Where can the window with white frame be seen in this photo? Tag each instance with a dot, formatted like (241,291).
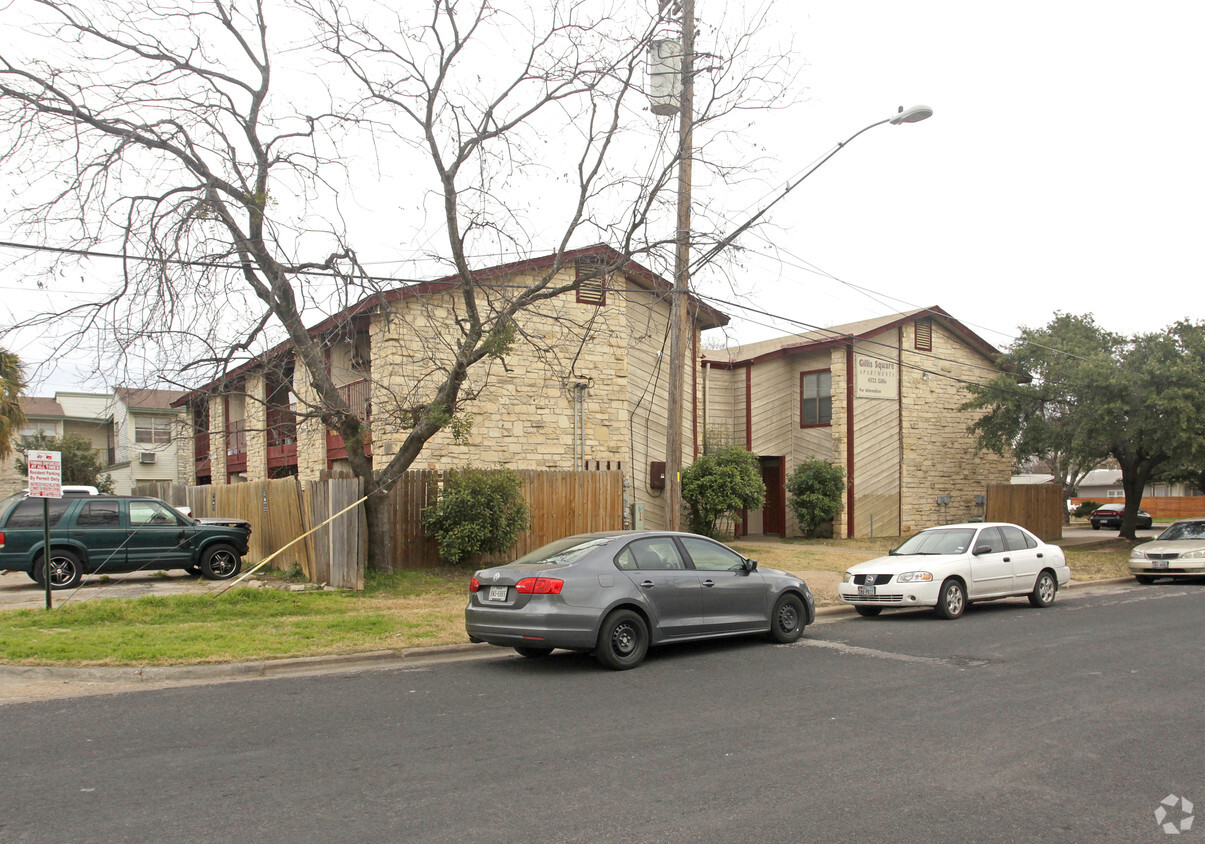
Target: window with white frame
(815,398)
(152,430)
(31,429)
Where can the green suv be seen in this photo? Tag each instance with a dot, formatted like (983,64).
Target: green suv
(107,534)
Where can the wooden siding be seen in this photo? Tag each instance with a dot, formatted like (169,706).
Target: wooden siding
(876,468)
(1159,506)
(648,388)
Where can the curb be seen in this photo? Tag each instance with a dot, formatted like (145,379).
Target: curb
(297,666)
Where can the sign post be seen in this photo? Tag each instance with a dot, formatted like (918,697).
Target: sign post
(45,482)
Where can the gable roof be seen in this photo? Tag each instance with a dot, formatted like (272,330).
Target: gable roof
(841,335)
(40,406)
(705,315)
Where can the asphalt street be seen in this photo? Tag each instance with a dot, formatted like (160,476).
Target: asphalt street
(1010,724)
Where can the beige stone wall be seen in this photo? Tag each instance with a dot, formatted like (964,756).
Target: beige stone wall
(311,433)
(257,428)
(217,440)
(186,452)
(939,457)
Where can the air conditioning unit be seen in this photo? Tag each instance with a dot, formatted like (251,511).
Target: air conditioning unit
(147,457)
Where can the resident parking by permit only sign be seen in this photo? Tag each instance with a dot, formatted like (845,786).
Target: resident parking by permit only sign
(45,473)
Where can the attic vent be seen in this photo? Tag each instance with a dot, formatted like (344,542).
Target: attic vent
(591,281)
(147,457)
(924,335)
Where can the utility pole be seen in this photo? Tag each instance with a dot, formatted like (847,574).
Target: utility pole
(679,320)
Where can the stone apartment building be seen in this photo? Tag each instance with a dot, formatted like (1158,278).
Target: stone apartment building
(594,397)
(878,398)
(135,432)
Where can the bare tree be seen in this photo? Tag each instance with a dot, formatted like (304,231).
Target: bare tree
(216,157)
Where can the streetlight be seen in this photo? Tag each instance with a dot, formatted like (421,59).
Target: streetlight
(683,267)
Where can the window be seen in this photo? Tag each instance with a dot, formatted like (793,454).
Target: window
(144,513)
(28,514)
(32,429)
(98,514)
(924,335)
(708,556)
(1017,539)
(650,555)
(991,539)
(152,430)
(815,398)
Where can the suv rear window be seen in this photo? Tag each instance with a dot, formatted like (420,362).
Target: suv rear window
(28,514)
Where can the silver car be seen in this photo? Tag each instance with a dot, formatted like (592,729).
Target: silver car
(615,594)
(1178,552)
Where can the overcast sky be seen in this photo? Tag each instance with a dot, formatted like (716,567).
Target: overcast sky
(1061,170)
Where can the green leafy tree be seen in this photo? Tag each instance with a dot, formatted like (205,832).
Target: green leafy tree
(721,483)
(12,382)
(1091,394)
(81,462)
(478,512)
(814,493)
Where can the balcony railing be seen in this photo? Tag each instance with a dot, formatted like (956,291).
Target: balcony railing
(357,394)
(236,446)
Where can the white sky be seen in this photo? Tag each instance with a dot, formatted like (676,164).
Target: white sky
(1061,170)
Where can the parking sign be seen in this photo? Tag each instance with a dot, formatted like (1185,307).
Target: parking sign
(45,474)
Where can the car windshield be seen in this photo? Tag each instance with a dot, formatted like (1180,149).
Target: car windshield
(1184,530)
(563,551)
(952,541)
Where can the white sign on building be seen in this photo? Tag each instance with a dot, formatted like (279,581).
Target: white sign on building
(875,378)
(45,473)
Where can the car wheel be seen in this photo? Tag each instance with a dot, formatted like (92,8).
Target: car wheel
(952,600)
(623,640)
(66,571)
(786,622)
(1095,526)
(220,562)
(868,612)
(1044,590)
(1144,579)
(533,653)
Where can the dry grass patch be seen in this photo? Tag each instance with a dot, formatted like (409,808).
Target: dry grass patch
(1100,560)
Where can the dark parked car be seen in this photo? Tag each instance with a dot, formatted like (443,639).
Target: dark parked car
(615,594)
(1109,515)
(106,534)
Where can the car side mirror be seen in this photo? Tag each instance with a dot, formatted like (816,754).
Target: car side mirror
(749,565)
(982,549)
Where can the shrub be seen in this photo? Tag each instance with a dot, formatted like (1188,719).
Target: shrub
(478,512)
(721,483)
(1084,508)
(814,491)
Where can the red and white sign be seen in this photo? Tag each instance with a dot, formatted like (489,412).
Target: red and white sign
(45,474)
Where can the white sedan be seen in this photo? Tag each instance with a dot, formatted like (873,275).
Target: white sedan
(950,566)
(1179,552)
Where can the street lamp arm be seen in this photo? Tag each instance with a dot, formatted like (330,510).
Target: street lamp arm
(911,115)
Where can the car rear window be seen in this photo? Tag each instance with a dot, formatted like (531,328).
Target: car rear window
(28,513)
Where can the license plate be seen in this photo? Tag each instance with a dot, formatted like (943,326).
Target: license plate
(1158,564)
(497,593)
(866,590)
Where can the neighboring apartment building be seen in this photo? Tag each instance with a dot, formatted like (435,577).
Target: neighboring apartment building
(135,432)
(595,398)
(879,398)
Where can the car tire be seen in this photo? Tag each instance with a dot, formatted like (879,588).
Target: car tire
(1095,526)
(533,653)
(787,620)
(868,612)
(1044,590)
(623,640)
(220,562)
(66,570)
(1144,579)
(951,600)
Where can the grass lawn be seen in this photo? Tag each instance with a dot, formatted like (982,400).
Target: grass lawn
(395,611)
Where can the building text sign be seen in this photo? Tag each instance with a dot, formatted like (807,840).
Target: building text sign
(45,474)
(876,378)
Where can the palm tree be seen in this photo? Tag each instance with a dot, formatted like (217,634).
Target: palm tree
(12,382)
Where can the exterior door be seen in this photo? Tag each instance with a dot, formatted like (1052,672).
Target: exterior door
(733,598)
(98,526)
(774,514)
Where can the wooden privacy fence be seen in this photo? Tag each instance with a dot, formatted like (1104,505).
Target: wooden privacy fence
(561,504)
(280,511)
(1036,507)
(1160,506)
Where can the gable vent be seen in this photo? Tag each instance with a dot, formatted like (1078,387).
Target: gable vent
(591,281)
(924,335)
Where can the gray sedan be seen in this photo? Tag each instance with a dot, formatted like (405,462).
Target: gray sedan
(615,594)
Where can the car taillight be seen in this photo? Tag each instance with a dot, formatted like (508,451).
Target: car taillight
(540,586)
(1,540)
(474,585)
